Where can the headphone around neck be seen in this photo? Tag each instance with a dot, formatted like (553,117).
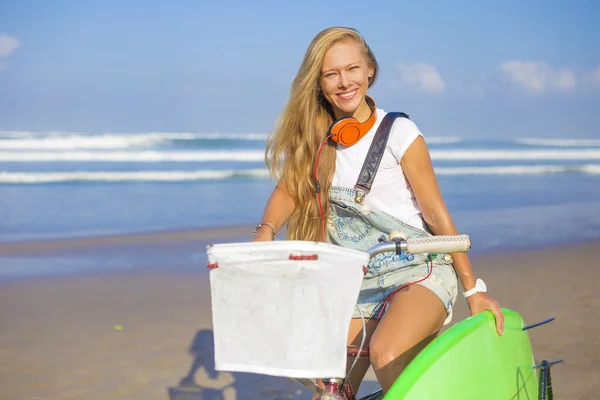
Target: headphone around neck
(348,131)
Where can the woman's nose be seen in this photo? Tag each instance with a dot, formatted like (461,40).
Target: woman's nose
(344,81)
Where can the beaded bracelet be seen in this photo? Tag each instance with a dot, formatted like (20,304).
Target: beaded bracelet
(264,224)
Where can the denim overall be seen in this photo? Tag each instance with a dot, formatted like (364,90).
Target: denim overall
(353,225)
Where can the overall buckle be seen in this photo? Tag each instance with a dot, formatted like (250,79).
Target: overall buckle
(359,197)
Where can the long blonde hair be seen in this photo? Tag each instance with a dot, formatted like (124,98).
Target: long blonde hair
(301,128)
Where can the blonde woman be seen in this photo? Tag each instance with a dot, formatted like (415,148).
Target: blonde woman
(408,299)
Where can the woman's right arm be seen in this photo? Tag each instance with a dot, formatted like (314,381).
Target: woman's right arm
(278,210)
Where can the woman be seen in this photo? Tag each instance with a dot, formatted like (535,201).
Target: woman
(317,198)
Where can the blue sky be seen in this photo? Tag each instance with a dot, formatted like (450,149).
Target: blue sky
(461,68)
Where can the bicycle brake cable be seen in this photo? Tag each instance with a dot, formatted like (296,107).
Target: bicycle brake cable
(362,343)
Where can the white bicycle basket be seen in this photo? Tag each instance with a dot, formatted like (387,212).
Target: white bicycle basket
(283,308)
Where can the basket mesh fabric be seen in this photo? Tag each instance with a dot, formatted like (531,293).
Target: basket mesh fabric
(283,308)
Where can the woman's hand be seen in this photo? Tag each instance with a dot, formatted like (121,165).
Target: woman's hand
(480,301)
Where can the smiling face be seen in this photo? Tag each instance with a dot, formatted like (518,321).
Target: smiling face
(345,79)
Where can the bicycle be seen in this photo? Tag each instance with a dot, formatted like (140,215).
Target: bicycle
(336,388)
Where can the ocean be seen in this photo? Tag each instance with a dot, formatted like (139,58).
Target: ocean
(508,194)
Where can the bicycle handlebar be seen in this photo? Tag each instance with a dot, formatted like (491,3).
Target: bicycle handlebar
(428,244)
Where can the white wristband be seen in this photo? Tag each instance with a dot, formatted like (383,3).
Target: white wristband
(479,287)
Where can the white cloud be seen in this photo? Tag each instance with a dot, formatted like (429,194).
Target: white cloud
(8,44)
(424,76)
(538,77)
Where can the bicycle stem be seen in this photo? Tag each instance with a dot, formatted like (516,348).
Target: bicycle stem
(397,245)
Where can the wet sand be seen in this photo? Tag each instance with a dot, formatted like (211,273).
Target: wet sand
(61,336)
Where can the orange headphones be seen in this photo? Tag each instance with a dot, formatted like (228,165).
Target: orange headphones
(349,130)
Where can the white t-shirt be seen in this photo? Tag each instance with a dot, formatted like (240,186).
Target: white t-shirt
(390,191)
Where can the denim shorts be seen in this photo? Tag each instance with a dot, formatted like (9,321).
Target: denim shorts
(352,225)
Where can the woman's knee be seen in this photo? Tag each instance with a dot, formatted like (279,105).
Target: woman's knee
(399,351)
(383,352)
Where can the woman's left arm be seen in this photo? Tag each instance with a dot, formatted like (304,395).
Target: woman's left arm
(418,169)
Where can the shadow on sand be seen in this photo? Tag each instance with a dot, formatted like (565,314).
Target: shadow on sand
(203,382)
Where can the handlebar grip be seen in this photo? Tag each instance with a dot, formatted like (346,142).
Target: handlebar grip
(439,244)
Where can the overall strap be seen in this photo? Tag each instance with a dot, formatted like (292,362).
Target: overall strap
(373,159)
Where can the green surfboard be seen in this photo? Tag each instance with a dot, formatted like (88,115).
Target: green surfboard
(471,362)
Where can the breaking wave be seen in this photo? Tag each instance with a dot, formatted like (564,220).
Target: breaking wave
(258,155)
(205,175)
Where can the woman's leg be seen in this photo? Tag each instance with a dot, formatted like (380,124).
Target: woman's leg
(362,365)
(355,336)
(413,319)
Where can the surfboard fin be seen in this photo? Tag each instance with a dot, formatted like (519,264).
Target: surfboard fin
(538,324)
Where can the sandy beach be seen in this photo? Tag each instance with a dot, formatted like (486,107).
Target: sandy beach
(143,333)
